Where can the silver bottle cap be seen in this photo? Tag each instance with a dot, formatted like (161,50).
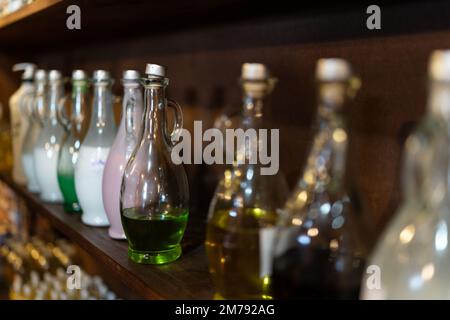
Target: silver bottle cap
(54,75)
(439,65)
(333,69)
(100,75)
(254,71)
(155,70)
(79,75)
(40,75)
(131,75)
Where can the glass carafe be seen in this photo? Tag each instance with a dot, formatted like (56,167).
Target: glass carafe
(243,211)
(155,196)
(412,258)
(76,128)
(34,111)
(323,240)
(46,148)
(124,144)
(94,152)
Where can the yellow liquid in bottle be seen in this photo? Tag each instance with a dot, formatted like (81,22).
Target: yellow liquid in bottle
(233,250)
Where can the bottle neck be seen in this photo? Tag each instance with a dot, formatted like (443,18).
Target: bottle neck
(56,92)
(327,158)
(131,98)
(155,102)
(79,104)
(439,100)
(102,111)
(253,102)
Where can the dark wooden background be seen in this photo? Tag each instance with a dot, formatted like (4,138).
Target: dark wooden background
(204,44)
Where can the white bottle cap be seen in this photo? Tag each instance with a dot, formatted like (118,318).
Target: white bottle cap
(28,70)
(131,75)
(100,75)
(439,65)
(79,75)
(254,71)
(54,75)
(40,75)
(333,69)
(155,70)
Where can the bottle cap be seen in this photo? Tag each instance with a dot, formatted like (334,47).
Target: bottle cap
(100,75)
(254,71)
(155,70)
(439,65)
(131,75)
(333,69)
(28,69)
(40,75)
(54,75)
(79,75)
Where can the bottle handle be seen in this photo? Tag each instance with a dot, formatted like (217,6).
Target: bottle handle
(37,112)
(178,123)
(131,135)
(60,116)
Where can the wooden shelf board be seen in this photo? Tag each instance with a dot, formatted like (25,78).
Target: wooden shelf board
(186,278)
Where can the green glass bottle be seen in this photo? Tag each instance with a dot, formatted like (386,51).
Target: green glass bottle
(76,128)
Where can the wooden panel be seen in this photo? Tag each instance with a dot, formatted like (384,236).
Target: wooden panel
(27,11)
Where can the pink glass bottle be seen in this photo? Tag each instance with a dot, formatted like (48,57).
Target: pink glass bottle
(124,144)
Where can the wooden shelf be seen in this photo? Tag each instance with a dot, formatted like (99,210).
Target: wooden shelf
(27,11)
(186,278)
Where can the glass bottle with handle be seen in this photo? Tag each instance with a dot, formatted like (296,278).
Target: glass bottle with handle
(94,152)
(324,238)
(34,111)
(412,258)
(19,120)
(154,194)
(124,144)
(76,128)
(243,211)
(46,149)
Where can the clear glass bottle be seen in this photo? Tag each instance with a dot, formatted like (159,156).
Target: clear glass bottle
(124,144)
(19,120)
(323,238)
(412,258)
(46,148)
(154,201)
(35,114)
(76,129)
(94,152)
(243,211)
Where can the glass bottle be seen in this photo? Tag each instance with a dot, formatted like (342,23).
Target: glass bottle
(323,238)
(46,149)
(243,211)
(412,258)
(94,152)
(34,112)
(76,128)
(19,120)
(154,194)
(124,144)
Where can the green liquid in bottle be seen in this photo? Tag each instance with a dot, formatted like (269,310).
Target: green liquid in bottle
(233,250)
(155,238)
(67,186)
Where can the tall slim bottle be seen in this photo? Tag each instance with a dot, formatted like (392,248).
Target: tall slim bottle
(154,202)
(323,239)
(76,129)
(243,211)
(35,116)
(412,258)
(46,149)
(94,152)
(19,119)
(124,144)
